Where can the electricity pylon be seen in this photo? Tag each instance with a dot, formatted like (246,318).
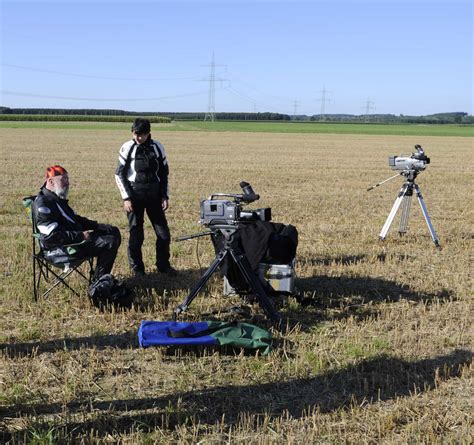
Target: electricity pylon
(295,109)
(211,109)
(323,101)
(368,107)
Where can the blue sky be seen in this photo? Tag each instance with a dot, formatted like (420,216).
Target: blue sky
(403,57)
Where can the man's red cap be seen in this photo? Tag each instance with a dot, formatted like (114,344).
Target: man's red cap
(55,170)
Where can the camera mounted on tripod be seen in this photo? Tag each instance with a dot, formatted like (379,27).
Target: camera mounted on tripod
(242,240)
(226,212)
(408,166)
(415,162)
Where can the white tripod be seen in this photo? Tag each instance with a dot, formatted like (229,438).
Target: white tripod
(404,197)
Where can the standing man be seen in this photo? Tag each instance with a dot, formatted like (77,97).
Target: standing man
(142,178)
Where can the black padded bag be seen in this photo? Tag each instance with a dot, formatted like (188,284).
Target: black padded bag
(108,291)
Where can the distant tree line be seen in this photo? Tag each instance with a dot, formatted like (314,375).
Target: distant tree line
(170,115)
(109,115)
(438,118)
(77,117)
(231,116)
(73,112)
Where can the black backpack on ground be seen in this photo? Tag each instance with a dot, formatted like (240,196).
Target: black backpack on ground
(108,291)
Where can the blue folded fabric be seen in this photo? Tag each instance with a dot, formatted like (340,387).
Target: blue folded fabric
(164,333)
(167,333)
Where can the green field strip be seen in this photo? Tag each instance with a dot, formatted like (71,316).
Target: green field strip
(261,127)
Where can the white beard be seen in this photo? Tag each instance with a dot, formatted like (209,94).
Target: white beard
(62,192)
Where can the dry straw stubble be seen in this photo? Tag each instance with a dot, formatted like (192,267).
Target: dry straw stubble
(379,341)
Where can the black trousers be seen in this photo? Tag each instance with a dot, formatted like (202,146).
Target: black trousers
(104,244)
(135,225)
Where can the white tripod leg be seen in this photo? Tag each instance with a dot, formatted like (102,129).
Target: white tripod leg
(427,217)
(393,212)
(406,204)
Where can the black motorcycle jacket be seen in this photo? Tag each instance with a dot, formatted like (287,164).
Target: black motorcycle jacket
(56,222)
(142,168)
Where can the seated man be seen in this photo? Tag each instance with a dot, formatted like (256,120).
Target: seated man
(59,226)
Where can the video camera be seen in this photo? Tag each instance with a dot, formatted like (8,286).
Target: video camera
(226,212)
(416,161)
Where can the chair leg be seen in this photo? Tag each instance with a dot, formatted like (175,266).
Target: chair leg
(35,285)
(41,270)
(91,270)
(60,279)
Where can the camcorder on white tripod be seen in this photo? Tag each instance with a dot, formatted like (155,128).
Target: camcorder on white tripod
(408,166)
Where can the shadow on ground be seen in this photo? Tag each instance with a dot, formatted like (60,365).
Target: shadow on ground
(369,381)
(348,260)
(323,297)
(120,341)
(156,284)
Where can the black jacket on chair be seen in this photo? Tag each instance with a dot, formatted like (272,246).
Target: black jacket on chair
(56,222)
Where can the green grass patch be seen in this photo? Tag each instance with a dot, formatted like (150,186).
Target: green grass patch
(329,128)
(263,127)
(364,350)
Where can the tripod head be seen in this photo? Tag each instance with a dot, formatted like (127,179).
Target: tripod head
(225,229)
(410,176)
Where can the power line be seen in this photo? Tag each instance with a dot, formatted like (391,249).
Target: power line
(254,101)
(91,76)
(96,99)
(242,95)
(275,103)
(277,98)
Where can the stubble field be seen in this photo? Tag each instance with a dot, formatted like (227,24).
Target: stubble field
(379,341)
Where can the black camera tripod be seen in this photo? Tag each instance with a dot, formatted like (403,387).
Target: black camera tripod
(404,197)
(230,249)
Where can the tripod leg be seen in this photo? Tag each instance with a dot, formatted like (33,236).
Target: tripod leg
(255,285)
(393,212)
(427,217)
(200,284)
(406,203)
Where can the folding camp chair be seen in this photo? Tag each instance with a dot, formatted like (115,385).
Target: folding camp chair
(44,265)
